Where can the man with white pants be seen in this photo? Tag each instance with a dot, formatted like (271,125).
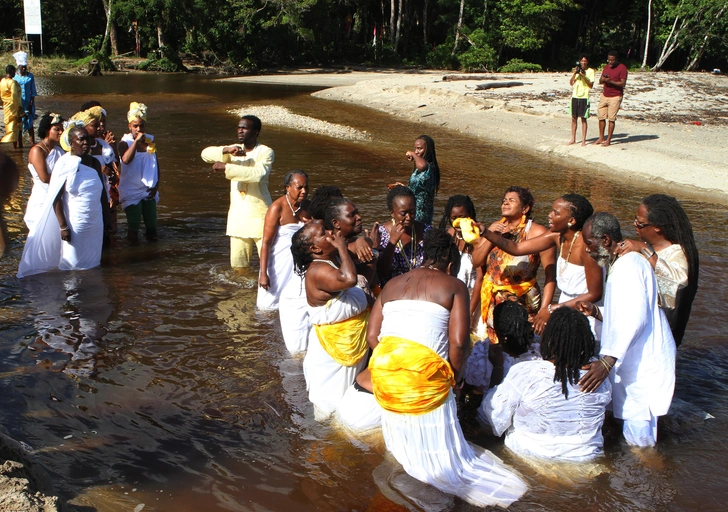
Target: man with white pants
(637,347)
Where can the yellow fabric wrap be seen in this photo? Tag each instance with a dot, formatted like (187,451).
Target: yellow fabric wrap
(345,341)
(88,116)
(136,111)
(408,377)
(489,289)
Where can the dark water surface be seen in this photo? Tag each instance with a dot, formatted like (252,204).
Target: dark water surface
(153,380)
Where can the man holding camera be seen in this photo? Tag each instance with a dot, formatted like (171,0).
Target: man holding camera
(614,78)
(582,80)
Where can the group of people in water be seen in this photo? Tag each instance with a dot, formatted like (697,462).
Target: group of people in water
(396,322)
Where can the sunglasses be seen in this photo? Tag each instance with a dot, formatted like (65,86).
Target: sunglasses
(640,225)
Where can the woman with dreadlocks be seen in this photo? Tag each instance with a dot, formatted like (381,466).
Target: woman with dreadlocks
(419,330)
(338,314)
(667,241)
(539,404)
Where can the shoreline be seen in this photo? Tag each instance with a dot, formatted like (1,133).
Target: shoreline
(657,138)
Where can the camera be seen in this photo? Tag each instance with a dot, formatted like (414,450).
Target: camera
(578,69)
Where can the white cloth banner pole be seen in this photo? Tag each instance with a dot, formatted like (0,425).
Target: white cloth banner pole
(33,23)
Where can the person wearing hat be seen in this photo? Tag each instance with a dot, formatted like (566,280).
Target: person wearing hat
(26,81)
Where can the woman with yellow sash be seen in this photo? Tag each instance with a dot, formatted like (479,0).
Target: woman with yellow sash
(338,312)
(419,329)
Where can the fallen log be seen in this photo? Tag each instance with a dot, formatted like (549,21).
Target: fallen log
(452,78)
(497,85)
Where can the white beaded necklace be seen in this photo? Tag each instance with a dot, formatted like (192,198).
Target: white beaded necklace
(294,212)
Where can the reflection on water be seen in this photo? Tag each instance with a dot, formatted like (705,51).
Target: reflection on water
(154,380)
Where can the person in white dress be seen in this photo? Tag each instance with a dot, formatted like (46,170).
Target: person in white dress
(667,241)
(419,329)
(539,404)
(338,312)
(41,159)
(285,216)
(70,230)
(637,347)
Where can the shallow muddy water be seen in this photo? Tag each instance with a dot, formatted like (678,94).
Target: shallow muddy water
(153,380)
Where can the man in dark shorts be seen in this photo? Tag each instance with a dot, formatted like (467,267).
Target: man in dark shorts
(614,78)
(582,80)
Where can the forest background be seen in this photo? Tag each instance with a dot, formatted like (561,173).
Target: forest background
(489,35)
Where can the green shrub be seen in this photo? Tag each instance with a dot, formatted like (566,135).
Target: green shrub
(481,58)
(518,66)
(441,58)
(162,60)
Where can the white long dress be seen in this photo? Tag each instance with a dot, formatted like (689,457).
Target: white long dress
(431,446)
(44,250)
(138,176)
(293,315)
(327,380)
(106,157)
(38,193)
(571,281)
(539,420)
(280,267)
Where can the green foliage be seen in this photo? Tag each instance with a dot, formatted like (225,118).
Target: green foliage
(528,24)
(104,61)
(164,64)
(441,57)
(480,56)
(519,66)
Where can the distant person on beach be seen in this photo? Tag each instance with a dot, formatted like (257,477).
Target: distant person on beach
(13,112)
(614,79)
(139,179)
(582,81)
(425,179)
(637,348)
(247,165)
(26,80)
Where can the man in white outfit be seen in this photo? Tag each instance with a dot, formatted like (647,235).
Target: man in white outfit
(637,347)
(248,167)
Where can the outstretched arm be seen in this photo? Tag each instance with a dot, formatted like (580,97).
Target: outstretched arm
(525,247)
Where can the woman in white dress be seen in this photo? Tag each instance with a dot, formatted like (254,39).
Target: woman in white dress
(41,159)
(667,241)
(338,312)
(539,404)
(419,329)
(70,231)
(284,217)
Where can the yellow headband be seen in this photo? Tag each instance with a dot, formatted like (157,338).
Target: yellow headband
(136,110)
(88,116)
(65,143)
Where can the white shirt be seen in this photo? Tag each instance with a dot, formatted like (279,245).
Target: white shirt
(540,421)
(636,332)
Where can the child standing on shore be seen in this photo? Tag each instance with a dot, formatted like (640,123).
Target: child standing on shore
(139,176)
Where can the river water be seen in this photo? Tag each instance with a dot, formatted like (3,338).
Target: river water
(153,380)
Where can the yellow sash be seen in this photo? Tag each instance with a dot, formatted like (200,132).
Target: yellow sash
(489,289)
(345,341)
(408,377)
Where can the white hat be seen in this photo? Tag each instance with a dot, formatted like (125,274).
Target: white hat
(21,58)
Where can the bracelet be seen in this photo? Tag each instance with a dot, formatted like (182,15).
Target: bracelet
(606,364)
(549,308)
(648,251)
(66,229)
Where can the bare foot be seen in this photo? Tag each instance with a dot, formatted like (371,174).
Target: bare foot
(599,141)
(572,141)
(583,143)
(605,143)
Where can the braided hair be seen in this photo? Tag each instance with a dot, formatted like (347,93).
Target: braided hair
(665,212)
(569,342)
(511,325)
(431,158)
(457,202)
(399,191)
(333,211)
(320,199)
(301,243)
(581,209)
(441,250)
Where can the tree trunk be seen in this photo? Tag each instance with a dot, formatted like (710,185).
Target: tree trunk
(671,43)
(107,12)
(460,26)
(399,26)
(647,37)
(114,40)
(424,22)
(160,35)
(392,14)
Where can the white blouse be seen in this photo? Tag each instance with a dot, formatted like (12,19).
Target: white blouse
(539,421)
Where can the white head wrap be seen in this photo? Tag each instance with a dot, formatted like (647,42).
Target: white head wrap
(21,58)
(65,142)
(136,110)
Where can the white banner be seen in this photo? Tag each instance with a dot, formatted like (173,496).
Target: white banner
(32,17)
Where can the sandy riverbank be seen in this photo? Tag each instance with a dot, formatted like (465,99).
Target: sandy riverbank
(656,136)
